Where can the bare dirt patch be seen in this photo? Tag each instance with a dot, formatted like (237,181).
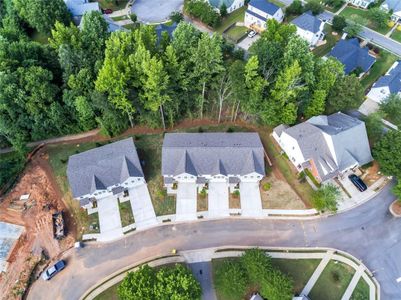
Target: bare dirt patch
(36,217)
(371,175)
(280,195)
(234,201)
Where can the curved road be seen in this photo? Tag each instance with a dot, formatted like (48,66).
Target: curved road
(368,232)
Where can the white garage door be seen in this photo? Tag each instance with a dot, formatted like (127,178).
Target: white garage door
(109,219)
(218,200)
(186,201)
(251,203)
(142,206)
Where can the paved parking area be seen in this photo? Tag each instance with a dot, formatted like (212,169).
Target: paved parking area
(251,202)
(155,11)
(109,219)
(218,200)
(142,207)
(247,42)
(186,202)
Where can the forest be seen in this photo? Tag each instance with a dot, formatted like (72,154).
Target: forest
(86,77)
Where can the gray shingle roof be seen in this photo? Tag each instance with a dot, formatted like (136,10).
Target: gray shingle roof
(264,6)
(392,80)
(394,5)
(102,167)
(256,15)
(349,139)
(212,154)
(308,22)
(352,56)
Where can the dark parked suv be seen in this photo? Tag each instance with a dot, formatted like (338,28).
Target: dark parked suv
(361,186)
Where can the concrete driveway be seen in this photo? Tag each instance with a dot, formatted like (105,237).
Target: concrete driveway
(203,273)
(218,205)
(109,219)
(186,201)
(142,207)
(155,11)
(247,42)
(251,202)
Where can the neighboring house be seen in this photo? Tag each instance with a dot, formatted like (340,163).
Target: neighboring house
(352,56)
(310,28)
(111,25)
(326,145)
(78,8)
(104,171)
(169,29)
(212,157)
(388,84)
(230,4)
(361,3)
(259,11)
(393,6)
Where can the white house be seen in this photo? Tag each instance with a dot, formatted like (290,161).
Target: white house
(360,3)
(105,171)
(230,4)
(394,6)
(390,83)
(328,146)
(212,157)
(259,11)
(309,27)
(78,8)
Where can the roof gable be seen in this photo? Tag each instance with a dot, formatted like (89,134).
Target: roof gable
(308,22)
(264,6)
(392,79)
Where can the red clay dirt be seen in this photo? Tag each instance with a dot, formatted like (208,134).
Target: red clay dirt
(37,219)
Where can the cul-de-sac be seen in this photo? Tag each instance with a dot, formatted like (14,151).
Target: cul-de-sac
(200,149)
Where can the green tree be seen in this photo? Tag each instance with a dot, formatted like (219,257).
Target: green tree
(391,107)
(325,198)
(176,17)
(378,16)
(339,23)
(374,127)
(236,73)
(295,8)
(42,14)
(254,84)
(138,285)
(281,106)
(397,190)
(277,286)
(208,62)
(347,93)
(257,264)
(353,28)
(314,6)
(223,10)
(176,283)
(387,153)
(231,279)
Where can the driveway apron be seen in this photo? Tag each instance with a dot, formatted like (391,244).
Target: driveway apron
(251,202)
(142,207)
(218,200)
(109,219)
(186,201)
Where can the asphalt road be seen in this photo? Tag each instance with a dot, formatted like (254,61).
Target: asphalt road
(368,232)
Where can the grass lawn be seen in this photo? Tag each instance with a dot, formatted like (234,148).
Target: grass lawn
(300,270)
(333,282)
(350,13)
(109,294)
(131,26)
(303,189)
(381,66)
(126,215)
(331,40)
(120,18)
(237,32)
(236,16)
(361,290)
(396,35)
(114,5)
(278,3)
(93,223)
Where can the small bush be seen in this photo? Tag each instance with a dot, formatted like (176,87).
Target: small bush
(230,129)
(176,17)
(266,186)
(203,193)
(236,193)
(63,160)
(201,10)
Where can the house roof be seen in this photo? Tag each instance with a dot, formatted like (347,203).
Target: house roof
(394,5)
(333,142)
(308,22)
(264,6)
(392,79)
(165,28)
(212,153)
(80,7)
(256,15)
(219,3)
(102,167)
(349,53)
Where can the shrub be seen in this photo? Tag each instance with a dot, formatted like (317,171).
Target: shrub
(339,23)
(223,10)
(201,10)
(325,198)
(296,8)
(266,186)
(176,17)
(232,280)
(133,18)
(315,7)
(236,193)
(202,193)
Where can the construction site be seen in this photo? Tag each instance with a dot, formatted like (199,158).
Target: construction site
(35,205)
